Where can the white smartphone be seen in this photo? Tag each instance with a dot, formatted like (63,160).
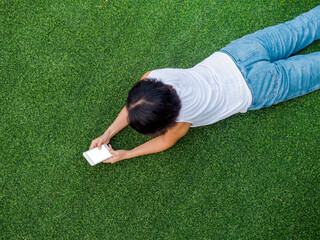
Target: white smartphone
(95,156)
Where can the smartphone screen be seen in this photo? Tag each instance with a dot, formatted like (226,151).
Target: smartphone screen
(97,155)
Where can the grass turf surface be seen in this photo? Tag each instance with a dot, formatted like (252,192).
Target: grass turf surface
(65,70)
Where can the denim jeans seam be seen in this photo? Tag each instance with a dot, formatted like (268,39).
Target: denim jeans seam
(276,87)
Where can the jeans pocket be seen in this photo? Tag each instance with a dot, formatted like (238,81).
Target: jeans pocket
(264,87)
(241,49)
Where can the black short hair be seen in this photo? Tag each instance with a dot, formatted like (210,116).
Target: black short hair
(152,106)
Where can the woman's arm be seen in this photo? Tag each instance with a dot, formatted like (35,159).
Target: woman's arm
(155,145)
(118,124)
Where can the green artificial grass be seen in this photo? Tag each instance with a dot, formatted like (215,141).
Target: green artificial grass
(65,70)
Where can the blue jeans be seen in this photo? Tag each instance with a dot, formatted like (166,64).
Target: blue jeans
(265,63)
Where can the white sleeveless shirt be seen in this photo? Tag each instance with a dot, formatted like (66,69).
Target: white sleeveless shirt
(211,91)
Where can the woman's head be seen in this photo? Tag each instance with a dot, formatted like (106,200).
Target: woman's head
(153,107)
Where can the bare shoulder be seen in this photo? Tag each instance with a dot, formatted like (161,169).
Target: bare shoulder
(175,133)
(145,75)
(178,131)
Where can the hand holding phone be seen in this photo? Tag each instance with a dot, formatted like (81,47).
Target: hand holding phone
(95,156)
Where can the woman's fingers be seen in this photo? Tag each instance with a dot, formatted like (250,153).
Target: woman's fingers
(117,155)
(111,149)
(110,160)
(100,142)
(93,144)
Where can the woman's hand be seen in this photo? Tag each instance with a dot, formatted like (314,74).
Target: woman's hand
(117,155)
(104,139)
